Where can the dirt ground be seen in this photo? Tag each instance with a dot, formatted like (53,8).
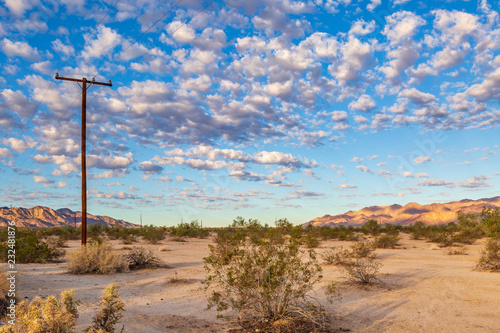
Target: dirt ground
(423,290)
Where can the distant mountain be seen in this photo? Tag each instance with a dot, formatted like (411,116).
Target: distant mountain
(432,214)
(45,217)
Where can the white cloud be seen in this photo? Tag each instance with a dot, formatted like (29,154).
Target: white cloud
(356,56)
(347,186)
(373,4)
(20,145)
(365,103)
(408,174)
(279,89)
(59,47)
(361,28)
(19,7)
(422,159)
(402,26)
(417,96)
(42,180)
(104,43)
(19,49)
(108,162)
(365,169)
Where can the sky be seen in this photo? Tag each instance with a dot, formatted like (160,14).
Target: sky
(261,109)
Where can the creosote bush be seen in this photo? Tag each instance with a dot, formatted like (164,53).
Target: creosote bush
(386,242)
(30,249)
(96,259)
(139,257)
(490,256)
(362,270)
(336,256)
(267,284)
(362,250)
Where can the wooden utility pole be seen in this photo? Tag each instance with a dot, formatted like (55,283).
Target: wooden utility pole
(84,145)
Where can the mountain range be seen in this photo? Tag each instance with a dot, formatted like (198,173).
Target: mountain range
(432,214)
(45,217)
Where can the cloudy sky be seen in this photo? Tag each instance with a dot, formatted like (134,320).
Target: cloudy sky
(262,109)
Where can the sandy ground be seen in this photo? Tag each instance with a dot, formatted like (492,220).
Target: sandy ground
(423,290)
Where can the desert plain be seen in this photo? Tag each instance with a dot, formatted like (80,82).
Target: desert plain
(421,289)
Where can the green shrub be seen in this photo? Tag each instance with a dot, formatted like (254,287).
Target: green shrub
(227,242)
(139,257)
(490,218)
(469,228)
(371,227)
(110,312)
(29,249)
(490,256)
(362,250)
(418,230)
(266,284)
(386,242)
(153,234)
(96,259)
(310,241)
(192,229)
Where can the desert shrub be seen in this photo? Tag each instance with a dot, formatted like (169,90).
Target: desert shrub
(29,249)
(153,234)
(390,229)
(50,315)
(110,312)
(490,256)
(490,218)
(56,242)
(266,284)
(362,270)
(227,241)
(371,227)
(362,250)
(336,256)
(310,241)
(457,251)
(386,242)
(469,228)
(139,257)
(192,229)
(4,295)
(418,230)
(96,258)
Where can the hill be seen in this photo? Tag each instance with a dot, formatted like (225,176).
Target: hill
(45,217)
(432,214)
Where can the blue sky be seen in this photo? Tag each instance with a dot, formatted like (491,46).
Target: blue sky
(262,109)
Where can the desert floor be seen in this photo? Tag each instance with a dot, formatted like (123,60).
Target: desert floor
(423,290)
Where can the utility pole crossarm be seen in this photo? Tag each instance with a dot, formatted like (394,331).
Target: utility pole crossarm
(93,81)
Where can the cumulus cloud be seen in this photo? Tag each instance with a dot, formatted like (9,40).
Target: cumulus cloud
(105,42)
(347,186)
(365,103)
(364,169)
(422,159)
(19,49)
(109,162)
(42,180)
